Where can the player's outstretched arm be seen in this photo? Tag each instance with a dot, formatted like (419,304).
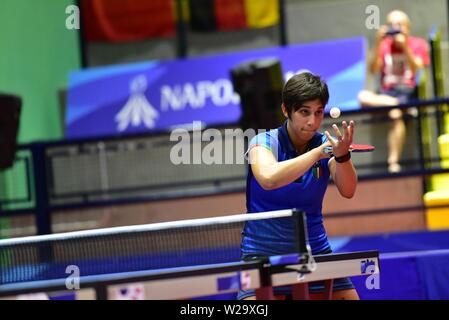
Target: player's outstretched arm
(272,174)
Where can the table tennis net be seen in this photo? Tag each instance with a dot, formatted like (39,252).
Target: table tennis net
(126,249)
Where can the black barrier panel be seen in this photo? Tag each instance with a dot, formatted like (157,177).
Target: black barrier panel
(10,107)
(259,84)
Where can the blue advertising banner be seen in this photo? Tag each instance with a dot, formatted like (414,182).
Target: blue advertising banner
(161,95)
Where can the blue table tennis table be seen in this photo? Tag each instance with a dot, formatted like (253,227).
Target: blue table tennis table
(211,279)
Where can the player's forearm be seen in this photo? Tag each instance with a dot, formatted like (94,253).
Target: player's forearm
(282,173)
(346,179)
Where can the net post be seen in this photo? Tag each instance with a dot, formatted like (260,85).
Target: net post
(101,292)
(301,235)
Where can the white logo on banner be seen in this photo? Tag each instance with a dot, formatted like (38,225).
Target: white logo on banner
(195,95)
(137,109)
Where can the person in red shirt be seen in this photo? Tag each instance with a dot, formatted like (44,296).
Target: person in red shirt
(396,56)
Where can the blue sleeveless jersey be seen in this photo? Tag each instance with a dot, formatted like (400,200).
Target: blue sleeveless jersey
(276,236)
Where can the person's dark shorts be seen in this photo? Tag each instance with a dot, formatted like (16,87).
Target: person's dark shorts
(314,287)
(403,93)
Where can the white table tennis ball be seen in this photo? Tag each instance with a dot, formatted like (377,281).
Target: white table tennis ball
(335,112)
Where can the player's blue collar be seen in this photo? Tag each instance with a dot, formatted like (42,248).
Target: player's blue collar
(284,139)
(286,143)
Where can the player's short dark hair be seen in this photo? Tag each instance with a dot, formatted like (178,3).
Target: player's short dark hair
(301,88)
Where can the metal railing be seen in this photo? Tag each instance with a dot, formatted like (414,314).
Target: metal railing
(103,171)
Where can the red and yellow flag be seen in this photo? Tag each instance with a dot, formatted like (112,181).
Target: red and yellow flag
(221,15)
(127,20)
(132,20)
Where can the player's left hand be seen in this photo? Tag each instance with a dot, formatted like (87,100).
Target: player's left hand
(341,142)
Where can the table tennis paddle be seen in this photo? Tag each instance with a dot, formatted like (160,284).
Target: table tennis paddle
(354,148)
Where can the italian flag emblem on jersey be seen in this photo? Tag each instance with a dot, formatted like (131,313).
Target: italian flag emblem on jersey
(317,170)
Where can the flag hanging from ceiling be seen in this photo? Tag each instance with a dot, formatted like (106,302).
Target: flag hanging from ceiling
(262,13)
(222,15)
(133,20)
(127,20)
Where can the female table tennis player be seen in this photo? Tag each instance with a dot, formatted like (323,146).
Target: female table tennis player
(289,169)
